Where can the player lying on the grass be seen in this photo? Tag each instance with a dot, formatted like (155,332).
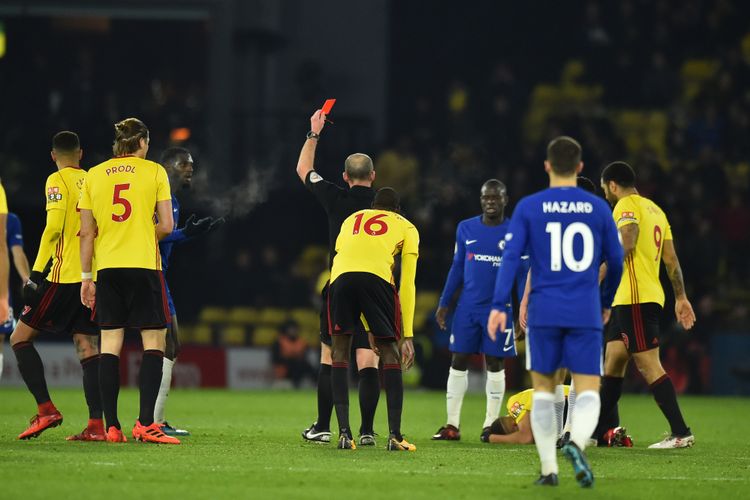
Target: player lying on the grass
(362,283)
(178,163)
(52,303)
(478,252)
(118,201)
(634,331)
(515,428)
(14,239)
(567,232)
(340,203)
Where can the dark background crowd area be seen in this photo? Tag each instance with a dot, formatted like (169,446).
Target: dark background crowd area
(465,87)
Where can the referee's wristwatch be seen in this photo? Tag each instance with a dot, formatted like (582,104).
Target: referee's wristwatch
(313,135)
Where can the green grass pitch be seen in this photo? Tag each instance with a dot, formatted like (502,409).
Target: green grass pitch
(248,445)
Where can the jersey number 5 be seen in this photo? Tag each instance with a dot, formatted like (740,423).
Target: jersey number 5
(117,199)
(371,224)
(561,246)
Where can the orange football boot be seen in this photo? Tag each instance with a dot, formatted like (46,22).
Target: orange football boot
(152,434)
(40,423)
(115,435)
(94,431)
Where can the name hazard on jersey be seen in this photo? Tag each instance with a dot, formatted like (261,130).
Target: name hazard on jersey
(567,207)
(478,257)
(121,169)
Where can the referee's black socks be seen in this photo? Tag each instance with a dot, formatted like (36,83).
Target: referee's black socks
(325,399)
(149,384)
(109,386)
(394,393)
(340,388)
(369,393)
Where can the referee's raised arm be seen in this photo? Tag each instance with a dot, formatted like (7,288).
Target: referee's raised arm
(307,155)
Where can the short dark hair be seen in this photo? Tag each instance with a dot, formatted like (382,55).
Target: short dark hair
(128,135)
(586,184)
(358,167)
(564,154)
(494,184)
(66,142)
(620,173)
(170,155)
(387,199)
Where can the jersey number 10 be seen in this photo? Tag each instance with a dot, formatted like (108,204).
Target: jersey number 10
(561,246)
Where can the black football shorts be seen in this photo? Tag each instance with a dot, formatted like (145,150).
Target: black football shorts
(358,294)
(131,298)
(636,325)
(60,310)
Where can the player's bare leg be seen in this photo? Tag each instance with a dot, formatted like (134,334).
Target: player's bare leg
(494,390)
(616,360)
(458,383)
(661,386)
(587,415)
(2,345)
(340,352)
(369,393)
(87,348)
(32,371)
(394,393)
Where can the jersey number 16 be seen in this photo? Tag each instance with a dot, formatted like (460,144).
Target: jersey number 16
(561,246)
(373,226)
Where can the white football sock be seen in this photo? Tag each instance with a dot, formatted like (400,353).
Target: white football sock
(587,416)
(571,407)
(1,366)
(543,429)
(559,408)
(166,382)
(458,382)
(495,390)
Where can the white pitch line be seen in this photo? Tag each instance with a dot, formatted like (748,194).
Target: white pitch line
(443,471)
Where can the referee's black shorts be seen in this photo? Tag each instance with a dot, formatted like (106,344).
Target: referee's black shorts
(358,293)
(60,310)
(131,298)
(636,325)
(360,340)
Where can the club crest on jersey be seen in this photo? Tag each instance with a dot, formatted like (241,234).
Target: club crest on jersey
(53,194)
(501,245)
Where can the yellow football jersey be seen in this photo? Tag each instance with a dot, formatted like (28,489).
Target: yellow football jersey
(369,240)
(3,201)
(640,278)
(63,191)
(520,404)
(122,194)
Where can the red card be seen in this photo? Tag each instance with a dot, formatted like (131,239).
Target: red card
(327,106)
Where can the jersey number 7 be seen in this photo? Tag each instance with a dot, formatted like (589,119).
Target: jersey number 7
(117,199)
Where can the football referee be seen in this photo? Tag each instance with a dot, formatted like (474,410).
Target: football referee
(340,203)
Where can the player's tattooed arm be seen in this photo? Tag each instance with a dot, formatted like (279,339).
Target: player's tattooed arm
(629,236)
(674,271)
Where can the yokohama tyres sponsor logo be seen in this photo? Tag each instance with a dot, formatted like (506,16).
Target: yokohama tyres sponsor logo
(478,257)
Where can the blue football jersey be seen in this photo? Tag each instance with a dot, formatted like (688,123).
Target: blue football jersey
(176,236)
(567,232)
(13,231)
(477,257)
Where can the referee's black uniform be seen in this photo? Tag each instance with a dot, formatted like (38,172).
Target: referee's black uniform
(339,203)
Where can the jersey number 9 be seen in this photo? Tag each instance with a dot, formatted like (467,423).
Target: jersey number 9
(561,246)
(373,226)
(117,199)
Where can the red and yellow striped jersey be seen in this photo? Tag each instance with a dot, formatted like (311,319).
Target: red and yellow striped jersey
(640,277)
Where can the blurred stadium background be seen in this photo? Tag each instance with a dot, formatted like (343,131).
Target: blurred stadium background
(442,95)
